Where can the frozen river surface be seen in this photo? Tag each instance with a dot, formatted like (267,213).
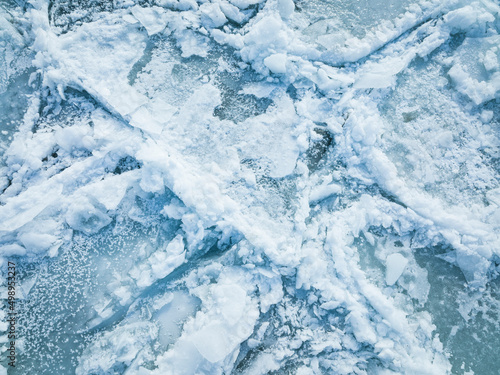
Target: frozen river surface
(250,186)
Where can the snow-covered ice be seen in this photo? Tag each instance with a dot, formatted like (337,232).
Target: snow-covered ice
(251,186)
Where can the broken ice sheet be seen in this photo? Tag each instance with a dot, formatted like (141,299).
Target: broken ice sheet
(251,186)
(395,265)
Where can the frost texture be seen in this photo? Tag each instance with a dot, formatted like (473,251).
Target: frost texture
(251,186)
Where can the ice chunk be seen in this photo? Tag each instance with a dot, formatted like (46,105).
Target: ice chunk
(478,91)
(152,18)
(75,137)
(380,74)
(12,249)
(486,116)
(361,327)
(490,59)
(324,191)
(193,43)
(84,216)
(464,18)
(232,12)
(232,301)
(37,241)
(473,265)
(395,265)
(121,98)
(111,190)
(260,90)
(174,210)
(276,63)
(286,8)
(117,349)
(24,207)
(213,342)
(212,15)
(162,263)
(475,71)
(143,119)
